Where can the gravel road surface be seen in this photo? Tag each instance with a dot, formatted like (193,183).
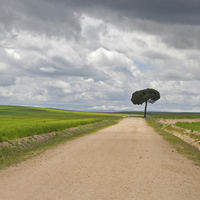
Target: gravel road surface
(125,161)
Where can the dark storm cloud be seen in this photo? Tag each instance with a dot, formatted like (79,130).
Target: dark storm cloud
(54,16)
(182,37)
(168,11)
(40,17)
(61,17)
(152,17)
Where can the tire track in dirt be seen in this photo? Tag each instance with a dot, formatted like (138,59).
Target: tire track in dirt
(125,161)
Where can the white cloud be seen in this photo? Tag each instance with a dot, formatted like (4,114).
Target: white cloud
(34,46)
(13,53)
(47,69)
(90,27)
(87,57)
(104,58)
(66,88)
(5,92)
(106,108)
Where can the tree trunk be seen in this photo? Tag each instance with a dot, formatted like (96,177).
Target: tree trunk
(145,109)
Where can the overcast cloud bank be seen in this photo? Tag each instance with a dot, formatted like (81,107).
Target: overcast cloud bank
(92,55)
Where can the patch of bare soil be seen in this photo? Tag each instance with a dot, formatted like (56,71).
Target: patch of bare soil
(126,161)
(184,134)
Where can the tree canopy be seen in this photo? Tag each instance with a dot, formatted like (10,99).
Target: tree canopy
(144,96)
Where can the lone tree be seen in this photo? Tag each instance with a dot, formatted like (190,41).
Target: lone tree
(146,95)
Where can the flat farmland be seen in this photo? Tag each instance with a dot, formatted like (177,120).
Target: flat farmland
(18,122)
(28,128)
(128,160)
(193,126)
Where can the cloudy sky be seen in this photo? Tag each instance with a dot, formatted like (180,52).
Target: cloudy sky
(92,55)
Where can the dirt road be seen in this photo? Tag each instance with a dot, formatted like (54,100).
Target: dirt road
(125,161)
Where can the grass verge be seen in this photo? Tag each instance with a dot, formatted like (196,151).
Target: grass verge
(194,126)
(181,146)
(20,151)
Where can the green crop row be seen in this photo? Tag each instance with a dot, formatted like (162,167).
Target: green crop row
(49,112)
(20,121)
(19,130)
(171,115)
(194,126)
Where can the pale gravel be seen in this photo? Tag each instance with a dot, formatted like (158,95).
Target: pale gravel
(125,161)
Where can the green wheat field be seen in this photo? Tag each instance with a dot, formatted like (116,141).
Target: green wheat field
(19,121)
